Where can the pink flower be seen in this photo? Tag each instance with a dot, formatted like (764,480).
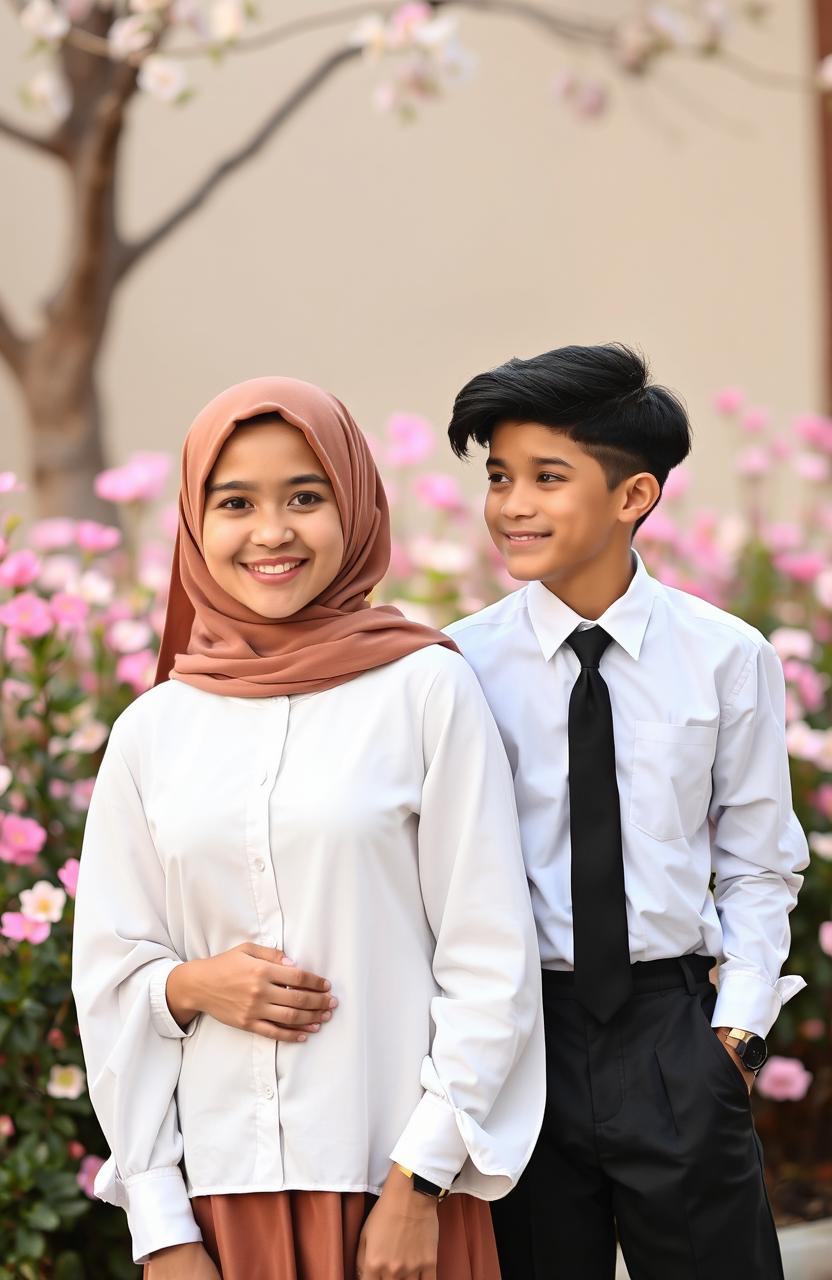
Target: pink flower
(729,400)
(141,479)
(822,799)
(784,1080)
(439,491)
(813,1029)
(812,467)
(9,483)
(21,839)
(27,615)
(825,937)
(87,1174)
(60,573)
(800,566)
(19,570)
(659,528)
(677,483)
(137,669)
(52,535)
(823,588)
(70,612)
(814,430)
(55,1038)
(96,538)
(753,462)
(43,902)
(14,925)
(792,642)
(129,635)
(68,875)
(82,794)
(75,1150)
(411,439)
(783,535)
(780,448)
(755,420)
(6,1127)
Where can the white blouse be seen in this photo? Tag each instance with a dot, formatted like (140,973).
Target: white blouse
(369,831)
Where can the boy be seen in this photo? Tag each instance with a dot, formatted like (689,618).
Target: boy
(645,729)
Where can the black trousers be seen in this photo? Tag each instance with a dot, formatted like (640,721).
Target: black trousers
(648,1135)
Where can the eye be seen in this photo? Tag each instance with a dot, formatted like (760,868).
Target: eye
(496,477)
(546,476)
(306,500)
(226,504)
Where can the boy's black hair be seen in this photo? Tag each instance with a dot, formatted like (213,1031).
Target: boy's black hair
(600,397)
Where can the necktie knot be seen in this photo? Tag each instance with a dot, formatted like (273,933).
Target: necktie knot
(589,645)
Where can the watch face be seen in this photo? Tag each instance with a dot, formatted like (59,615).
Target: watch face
(755,1053)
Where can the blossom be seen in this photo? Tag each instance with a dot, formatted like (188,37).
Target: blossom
(70,612)
(66,1081)
(792,642)
(19,569)
(137,669)
(439,556)
(821,799)
(96,538)
(823,588)
(52,535)
(43,902)
(96,588)
(141,479)
(753,462)
(814,430)
(440,491)
(677,483)
(825,937)
(411,439)
(783,1079)
(129,635)
(813,467)
(821,844)
(48,91)
(87,1174)
(55,1038)
(75,1149)
(163,78)
(14,925)
(81,794)
(9,483)
(800,566)
(42,20)
(755,420)
(89,737)
(729,400)
(782,535)
(6,1127)
(226,20)
(68,875)
(129,35)
(21,839)
(813,1028)
(5,778)
(27,615)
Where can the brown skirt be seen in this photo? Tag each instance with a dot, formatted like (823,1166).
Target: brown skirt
(313,1235)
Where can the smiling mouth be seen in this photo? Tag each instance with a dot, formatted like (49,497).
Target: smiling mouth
(522,540)
(274,572)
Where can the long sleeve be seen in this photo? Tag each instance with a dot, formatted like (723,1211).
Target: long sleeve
(758,849)
(484,1079)
(122,956)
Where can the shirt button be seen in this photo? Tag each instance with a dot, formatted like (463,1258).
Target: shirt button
(268,1091)
(259,864)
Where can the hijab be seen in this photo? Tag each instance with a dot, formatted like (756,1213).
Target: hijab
(214,642)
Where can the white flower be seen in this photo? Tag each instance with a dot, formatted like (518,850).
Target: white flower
(434,32)
(89,737)
(95,588)
(48,91)
(66,1082)
(5,778)
(225,21)
(440,557)
(792,642)
(43,21)
(129,635)
(44,901)
(162,78)
(821,844)
(129,35)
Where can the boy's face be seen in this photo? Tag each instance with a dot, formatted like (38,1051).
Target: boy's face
(549,509)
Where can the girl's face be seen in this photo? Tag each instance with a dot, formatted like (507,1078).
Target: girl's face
(271,534)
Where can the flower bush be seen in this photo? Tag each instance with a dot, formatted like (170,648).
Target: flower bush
(81,610)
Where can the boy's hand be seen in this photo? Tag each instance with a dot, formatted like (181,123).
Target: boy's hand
(748,1076)
(252,988)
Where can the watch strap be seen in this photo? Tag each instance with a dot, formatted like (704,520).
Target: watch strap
(422,1185)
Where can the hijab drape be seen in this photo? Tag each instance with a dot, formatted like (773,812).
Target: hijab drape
(216,643)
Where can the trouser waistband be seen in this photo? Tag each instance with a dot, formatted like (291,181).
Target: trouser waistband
(648,975)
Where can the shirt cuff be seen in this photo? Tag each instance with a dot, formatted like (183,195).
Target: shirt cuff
(431,1144)
(161,1016)
(159,1212)
(748,1001)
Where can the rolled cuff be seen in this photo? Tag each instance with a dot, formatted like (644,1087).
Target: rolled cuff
(161,1016)
(431,1144)
(158,1212)
(748,1001)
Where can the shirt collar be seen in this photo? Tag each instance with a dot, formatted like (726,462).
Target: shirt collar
(625,620)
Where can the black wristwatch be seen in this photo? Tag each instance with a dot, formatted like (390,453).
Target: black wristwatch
(422,1185)
(751,1050)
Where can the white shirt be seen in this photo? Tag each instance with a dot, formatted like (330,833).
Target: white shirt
(698,714)
(370,831)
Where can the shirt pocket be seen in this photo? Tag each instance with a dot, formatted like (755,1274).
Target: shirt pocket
(671,778)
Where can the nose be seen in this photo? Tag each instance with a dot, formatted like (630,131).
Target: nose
(272,532)
(518,503)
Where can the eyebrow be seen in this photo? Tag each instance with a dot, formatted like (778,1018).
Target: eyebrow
(539,462)
(251,487)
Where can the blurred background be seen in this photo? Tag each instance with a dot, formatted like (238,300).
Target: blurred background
(386,200)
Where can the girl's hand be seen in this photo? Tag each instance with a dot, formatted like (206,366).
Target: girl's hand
(252,988)
(400,1239)
(182,1262)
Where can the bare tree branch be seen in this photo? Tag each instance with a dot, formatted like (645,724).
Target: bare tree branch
(12,346)
(132,253)
(33,141)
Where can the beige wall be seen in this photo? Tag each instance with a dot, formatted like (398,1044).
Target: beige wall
(389,263)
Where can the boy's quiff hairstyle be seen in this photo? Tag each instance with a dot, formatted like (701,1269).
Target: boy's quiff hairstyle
(600,397)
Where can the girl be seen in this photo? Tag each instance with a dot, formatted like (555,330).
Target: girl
(317,779)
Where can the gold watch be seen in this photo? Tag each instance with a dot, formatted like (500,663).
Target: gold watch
(751,1049)
(422,1185)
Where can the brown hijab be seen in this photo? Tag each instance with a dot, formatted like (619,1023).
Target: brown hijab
(215,643)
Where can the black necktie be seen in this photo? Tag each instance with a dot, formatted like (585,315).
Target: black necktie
(603,980)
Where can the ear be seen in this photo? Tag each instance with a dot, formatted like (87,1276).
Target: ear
(639,494)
